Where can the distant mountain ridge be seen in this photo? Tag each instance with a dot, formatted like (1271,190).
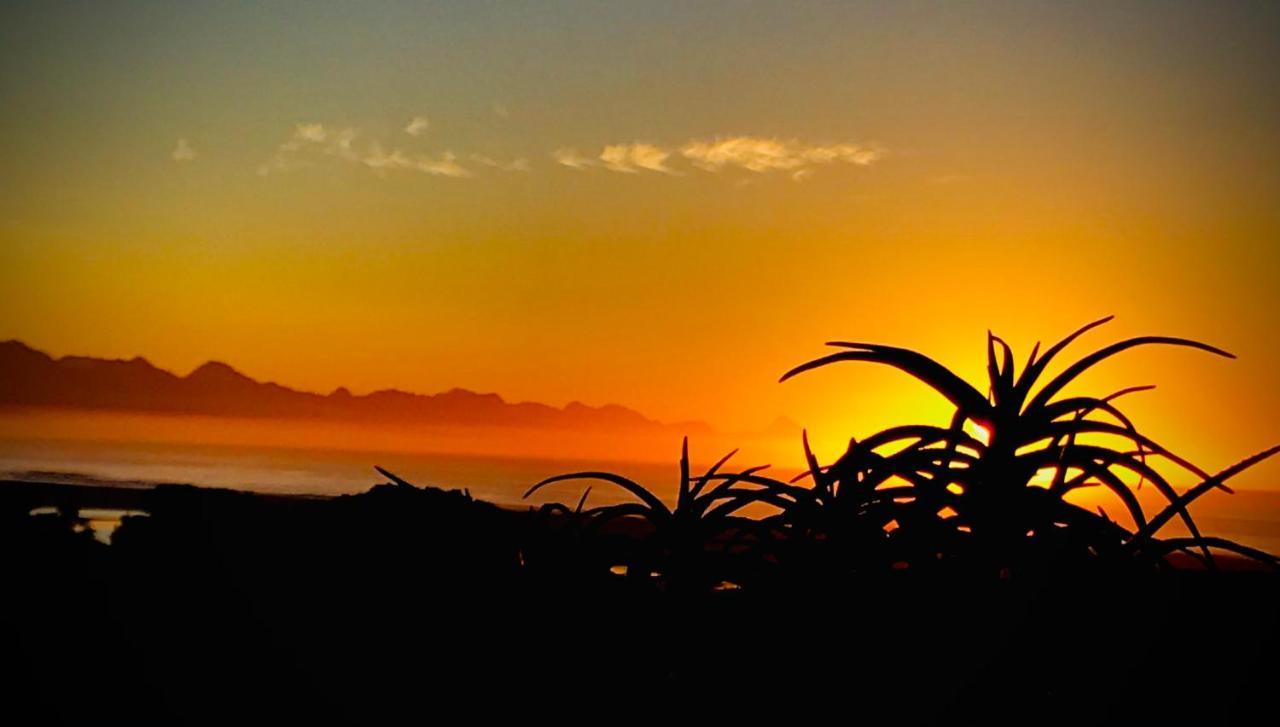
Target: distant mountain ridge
(29,377)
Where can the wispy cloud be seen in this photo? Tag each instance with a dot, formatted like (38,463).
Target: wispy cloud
(382,161)
(630,158)
(445,166)
(183,151)
(764,154)
(626,158)
(328,140)
(752,153)
(796,159)
(341,143)
(519,164)
(502,111)
(417,126)
(571,158)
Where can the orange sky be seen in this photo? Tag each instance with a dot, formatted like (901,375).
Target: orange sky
(660,206)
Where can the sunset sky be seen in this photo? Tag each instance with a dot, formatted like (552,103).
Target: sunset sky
(663,205)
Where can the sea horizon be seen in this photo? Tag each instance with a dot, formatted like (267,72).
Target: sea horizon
(1249,515)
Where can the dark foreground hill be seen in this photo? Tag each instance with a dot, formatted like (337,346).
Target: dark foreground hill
(414,605)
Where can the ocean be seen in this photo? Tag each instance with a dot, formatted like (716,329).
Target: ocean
(1249,516)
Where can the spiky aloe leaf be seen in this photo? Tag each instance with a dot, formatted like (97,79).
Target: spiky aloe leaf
(1084,364)
(391,476)
(682,498)
(734,500)
(1030,361)
(1196,492)
(924,481)
(1066,429)
(958,391)
(607,513)
(821,483)
(924,433)
(1088,457)
(1082,453)
(776,489)
(582,501)
(1035,367)
(630,486)
(557,508)
(861,469)
(729,480)
(938,462)
(710,473)
(1001,376)
(1056,429)
(1082,406)
(1108,479)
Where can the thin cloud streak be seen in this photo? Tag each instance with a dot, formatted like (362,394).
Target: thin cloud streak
(341,144)
(750,153)
(763,154)
(445,166)
(760,155)
(519,164)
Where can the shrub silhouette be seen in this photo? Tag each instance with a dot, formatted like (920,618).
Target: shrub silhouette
(703,541)
(872,511)
(950,495)
(920,497)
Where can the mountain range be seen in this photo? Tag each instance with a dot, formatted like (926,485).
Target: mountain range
(32,378)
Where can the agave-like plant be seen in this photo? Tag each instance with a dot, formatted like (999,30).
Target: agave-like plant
(886,504)
(704,540)
(557,544)
(1030,429)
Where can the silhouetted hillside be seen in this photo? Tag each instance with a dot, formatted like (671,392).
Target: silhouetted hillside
(32,378)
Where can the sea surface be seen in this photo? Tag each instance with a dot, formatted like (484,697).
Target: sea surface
(1251,517)
(503,480)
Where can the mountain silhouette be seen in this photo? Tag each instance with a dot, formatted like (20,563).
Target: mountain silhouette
(32,378)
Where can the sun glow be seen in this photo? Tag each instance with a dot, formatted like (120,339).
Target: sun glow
(978,432)
(1043,477)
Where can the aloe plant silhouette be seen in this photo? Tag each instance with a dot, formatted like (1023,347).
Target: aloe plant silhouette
(986,490)
(698,543)
(874,510)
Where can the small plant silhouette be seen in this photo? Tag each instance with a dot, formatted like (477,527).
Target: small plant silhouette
(701,542)
(873,511)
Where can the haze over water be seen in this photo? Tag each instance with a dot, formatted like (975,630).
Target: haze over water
(1251,516)
(306,471)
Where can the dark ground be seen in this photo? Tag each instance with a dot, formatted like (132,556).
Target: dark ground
(404,605)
